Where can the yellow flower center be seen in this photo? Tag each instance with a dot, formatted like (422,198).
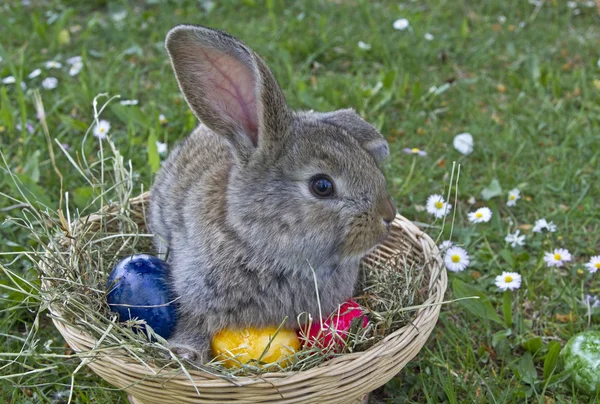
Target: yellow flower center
(439,204)
(512,197)
(508,279)
(597,265)
(456,258)
(415,150)
(101,130)
(479,215)
(557,257)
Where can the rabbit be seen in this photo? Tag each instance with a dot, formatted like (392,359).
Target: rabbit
(260,203)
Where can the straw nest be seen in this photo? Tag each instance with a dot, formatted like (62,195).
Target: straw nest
(405,271)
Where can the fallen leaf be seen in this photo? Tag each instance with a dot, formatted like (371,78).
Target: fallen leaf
(565,318)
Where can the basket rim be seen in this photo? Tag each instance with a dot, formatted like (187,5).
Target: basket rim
(405,337)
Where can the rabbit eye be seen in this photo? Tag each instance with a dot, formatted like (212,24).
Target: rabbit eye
(321,186)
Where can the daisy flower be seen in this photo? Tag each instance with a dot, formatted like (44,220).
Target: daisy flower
(456,259)
(128,102)
(592,301)
(35,73)
(415,150)
(515,239)
(401,24)
(463,143)
(513,196)
(543,225)
(50,83)
(161,147)
(428,36)
(437,206)
(481,215)
(75,69)
(364,46)
(162,119)
(9,80)
(445,245)
(571,4)
(508,280)
(74,60)
(53,64)
(557,258)
(23,86)
(594,264)
(101,129)
(1,59)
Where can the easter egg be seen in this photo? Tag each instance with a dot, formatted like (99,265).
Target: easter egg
(333,331)
(237,346)
(581,356)
(138,288)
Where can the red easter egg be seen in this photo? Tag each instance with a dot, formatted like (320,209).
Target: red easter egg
(332,331)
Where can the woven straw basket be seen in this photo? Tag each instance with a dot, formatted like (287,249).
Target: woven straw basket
(344,379)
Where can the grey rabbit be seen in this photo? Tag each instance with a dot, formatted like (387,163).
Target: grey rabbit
(260,196)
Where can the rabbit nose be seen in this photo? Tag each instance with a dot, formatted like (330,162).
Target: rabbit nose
(387,209)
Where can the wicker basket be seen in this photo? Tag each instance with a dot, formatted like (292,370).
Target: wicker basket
(344,379)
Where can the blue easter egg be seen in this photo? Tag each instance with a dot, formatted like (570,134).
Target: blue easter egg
(141,280)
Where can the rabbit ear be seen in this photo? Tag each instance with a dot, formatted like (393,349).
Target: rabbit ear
(228,87)
(366,134)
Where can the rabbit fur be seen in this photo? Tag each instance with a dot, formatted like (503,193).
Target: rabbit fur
(232,204)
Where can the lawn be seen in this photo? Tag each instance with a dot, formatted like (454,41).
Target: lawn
(523,78)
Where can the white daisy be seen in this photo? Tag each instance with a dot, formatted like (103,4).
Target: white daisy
(598,63)
(594,264)
(75,69)
(53,64)
(508,280)
(50,83)
(456,259)
(542,225)
(557,258)
(572,4)
(128,102)
(101,129)
(35,73)
(515,239)
(9,80)
(23,86)
(364,46)
(74,60)
(1,59)
(119,15)
(501,19)
(481,215)
(428,36)
(445,245)
(162,119)
(437,206)
(161,147)
(463,142)
(592,301)
(513,196)
(401,24)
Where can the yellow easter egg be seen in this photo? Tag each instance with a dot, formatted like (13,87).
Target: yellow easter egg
(234,347)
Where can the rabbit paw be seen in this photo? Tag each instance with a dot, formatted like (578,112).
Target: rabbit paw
(189,353)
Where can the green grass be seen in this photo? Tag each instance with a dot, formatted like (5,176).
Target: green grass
(527,94)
